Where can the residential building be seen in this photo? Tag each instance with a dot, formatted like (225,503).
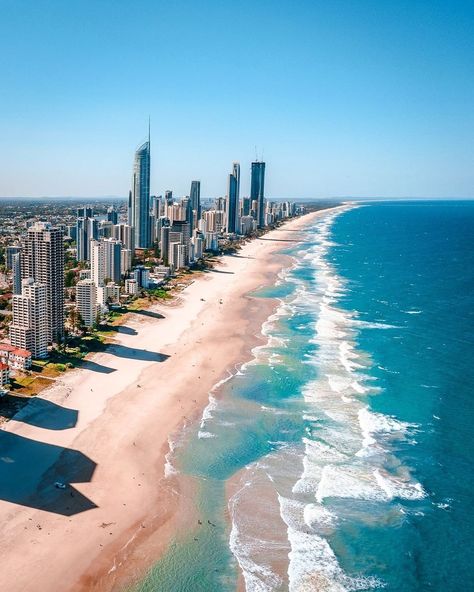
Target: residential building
(29,329)
(43,260)
(108,294)
(142,276)
(131,286)
(15,357)
(86,301)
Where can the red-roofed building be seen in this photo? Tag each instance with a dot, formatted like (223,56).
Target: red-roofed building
(5,350)
(15,357)
(20,358)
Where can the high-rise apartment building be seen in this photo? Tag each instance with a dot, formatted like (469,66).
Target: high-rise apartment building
(43,260)
(11,251)
(86,301)
(97,263)
(106,259)
(124,233)
(112,215)
(140,197)
(30,326)
(257,190)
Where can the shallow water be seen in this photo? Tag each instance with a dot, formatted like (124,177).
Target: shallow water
(339,457)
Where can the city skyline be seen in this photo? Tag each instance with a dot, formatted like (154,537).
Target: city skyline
(342,99)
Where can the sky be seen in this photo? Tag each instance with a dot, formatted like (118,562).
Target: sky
(339,97)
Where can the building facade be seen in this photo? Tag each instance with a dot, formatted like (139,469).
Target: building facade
(86,301)
(43,261)
(29,329)
(140,197)
(257,190)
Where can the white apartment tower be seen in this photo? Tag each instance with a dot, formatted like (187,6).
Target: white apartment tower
(30,326)
(86,301)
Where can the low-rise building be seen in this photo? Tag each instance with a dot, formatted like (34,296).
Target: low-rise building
(15,357)
(108,294)
(20,359)
(131,286)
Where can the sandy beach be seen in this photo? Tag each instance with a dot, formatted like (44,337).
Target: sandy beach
(105,430)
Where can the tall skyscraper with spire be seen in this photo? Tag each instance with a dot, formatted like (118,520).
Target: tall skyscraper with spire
(232,205)
(257,190)
(139,209)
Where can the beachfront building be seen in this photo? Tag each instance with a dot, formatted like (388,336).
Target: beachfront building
(29,329)
(198,244)
(142,276)
(139,207)
(257,191)
(232,200)
(43,261)
(19,359)
(14,357)
(131,286)
(178,255)
(247,225)
(86,301)
(108,294)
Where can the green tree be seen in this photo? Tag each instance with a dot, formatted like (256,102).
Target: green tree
(70,278)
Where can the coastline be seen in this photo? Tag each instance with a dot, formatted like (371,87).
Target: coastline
(130,400)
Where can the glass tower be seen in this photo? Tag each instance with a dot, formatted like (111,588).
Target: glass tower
(140,198)
(257,190)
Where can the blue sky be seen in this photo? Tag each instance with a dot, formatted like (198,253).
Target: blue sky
(342,97)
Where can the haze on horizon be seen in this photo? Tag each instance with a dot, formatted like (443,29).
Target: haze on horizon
(341,99)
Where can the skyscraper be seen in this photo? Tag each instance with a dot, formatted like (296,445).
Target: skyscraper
(106,259)
(257,190)
(195,197)
(140,197)
(232,205)
(112,215)
(43,260)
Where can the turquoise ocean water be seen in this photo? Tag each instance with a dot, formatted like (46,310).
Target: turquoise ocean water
(340,457)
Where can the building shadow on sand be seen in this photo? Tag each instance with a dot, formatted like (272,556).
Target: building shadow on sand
(41,475)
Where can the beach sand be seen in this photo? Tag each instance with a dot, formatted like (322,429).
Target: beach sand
(106,428)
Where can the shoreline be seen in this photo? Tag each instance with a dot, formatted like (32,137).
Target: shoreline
(126,404)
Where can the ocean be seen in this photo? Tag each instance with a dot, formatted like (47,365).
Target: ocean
(339,457)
